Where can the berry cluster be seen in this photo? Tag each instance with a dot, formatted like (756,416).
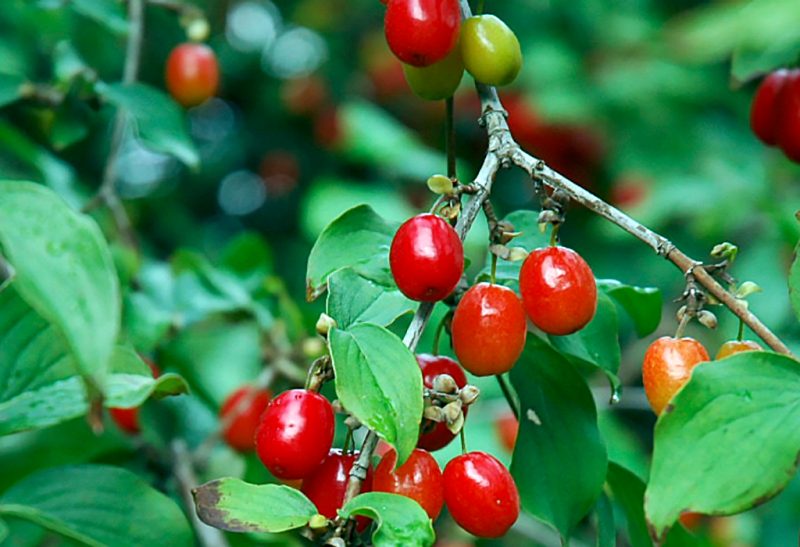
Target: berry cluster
(775,113)
(435,47)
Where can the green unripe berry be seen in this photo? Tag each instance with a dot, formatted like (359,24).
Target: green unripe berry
(490,50)
(437,81)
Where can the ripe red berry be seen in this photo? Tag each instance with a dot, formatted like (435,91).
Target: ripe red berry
(240,415)
(558,290)
(481,494)
(507,427)
(668,365)
(192,73)
(326,486)
(787,116)
(421,32)
(295,433)
(764,115)
(427,258)
(419,478)
(435,435)
(127,419)
(489,329)
(732,347)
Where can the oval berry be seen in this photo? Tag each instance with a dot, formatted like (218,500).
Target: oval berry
(438,81)
(488,329)
(326,486)
(192,74)
(240,415)
(295,433)
(490,50)
(419,478)
(507,428)
(558,290)
(435,435)
(787,116)
(732,347)
(764,116)
(481,494)
(422,32)
(668,365)
(426,258)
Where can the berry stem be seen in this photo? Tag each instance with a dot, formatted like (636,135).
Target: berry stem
(438,334)
(554,235)
(740,334)
(494,269)
(463,438)
(479,11)
(682,325)
(450,139)
(509,394)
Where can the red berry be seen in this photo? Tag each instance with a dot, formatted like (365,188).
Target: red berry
(489,329)
(507,427)
(326,486)
(732,347)
(127,419)
(421,32)
(787,116)
(668,365)
(764,115)
(691,521)
(558,290)
(481,494)
(419,478)
(435,435)
(427,258)
(240,414)
(295,433)
(192,74)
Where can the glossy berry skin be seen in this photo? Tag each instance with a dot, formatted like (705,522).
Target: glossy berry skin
(422,32)
(787,116)
(764,117)
(426,258)
(732,347)
(507,427)
(192,74)
(668,365)
(438,81)
(438,436)
(419,478)
(490,50)
(326,486)
(240,415)
(127,419)
(481,494)
(489,329)
(295,433)
(558,290)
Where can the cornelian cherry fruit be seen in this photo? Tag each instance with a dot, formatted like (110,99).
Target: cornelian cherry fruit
(435,435)
(481,494)
(787,116)
(764,118)
(295,433)
(426,258)
(437,81)
(326,486)
(490,50)
(422,32)
(668,365)
(419,478)
(507,427)
(192,74)
(732,347)
(558,290)
(127,419)
(240,415)
(489,329)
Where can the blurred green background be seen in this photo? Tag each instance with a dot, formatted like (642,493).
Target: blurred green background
(644,102)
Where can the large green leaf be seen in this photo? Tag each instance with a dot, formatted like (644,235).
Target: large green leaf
(559,460)
(10,88)
(158,120)
(98,505)
(358,238)
(401,520)
(379,381)
(108,13)
(728,441)
(64,270)
(354,299)
(794,282)
(237,506)
(642,304)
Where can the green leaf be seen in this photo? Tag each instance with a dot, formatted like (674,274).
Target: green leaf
(642,304)
(401,520)
(748,64)
(158,120)
(559,460)
(728,441)
(64,270)
(108,13)
(98,505)
(794,282)
(606,531)
(237,506)
(379,381)
(353,299)
(10,88)
(359,239)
